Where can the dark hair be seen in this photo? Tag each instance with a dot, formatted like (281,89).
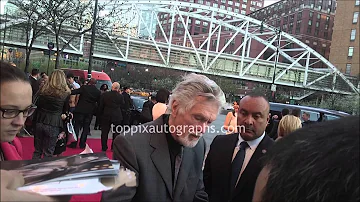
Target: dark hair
(10,73)
(317,163)
(42,74)
(285,111)
(125,88)
(70,75)
(104,87)
(296,112)
(35,72)
(162,95)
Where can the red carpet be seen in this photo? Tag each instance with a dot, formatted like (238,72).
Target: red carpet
(94,144)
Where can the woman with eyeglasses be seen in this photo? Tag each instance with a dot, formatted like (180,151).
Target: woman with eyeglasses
(15,107)
(53,101)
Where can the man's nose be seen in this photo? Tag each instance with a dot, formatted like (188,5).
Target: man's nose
(203,127)
(249,120)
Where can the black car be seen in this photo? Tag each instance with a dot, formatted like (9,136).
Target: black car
(138,102)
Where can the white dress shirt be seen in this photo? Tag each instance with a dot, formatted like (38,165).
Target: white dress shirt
(253,144)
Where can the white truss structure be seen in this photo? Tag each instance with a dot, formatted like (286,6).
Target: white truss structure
(298,72)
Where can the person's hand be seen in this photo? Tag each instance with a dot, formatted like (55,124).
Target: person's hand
(275,117)
(11,180)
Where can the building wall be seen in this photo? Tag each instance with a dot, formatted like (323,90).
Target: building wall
(341,38)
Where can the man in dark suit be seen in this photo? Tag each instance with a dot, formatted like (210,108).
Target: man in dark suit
(127,106)
(167,154)
(110,110)
(35,74)
(273,133)
(89,97)
(232,164)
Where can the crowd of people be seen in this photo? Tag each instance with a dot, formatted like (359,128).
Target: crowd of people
(317,162)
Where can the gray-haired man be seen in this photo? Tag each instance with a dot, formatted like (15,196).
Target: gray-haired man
(168,157)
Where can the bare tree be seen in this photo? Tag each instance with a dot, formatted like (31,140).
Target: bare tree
(75,17)
(33,25)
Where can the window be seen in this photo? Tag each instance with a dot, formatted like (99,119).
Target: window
(229,8)
(311,14)
(351,51)
(200,1)
(208,3)
(236,10)
(309,29)
(355,18)
(325,35)
(357,2)
(237,4)
(299,15)
(317,24)
(316,32)
(310,22)
(326,26)
(222,7)
(318,16)
(197,22)
(230,2)
(352,35)
(215,5)
(244,6)
(348,69)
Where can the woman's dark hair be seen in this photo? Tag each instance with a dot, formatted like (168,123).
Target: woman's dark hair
(10,73)
(104,87)
(162,95)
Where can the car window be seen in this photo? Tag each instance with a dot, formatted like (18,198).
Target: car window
(138,103)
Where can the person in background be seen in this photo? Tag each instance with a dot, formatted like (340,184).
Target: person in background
(296,112)
(52,103)
(306,117)
(128,105)
(35,75)
(110,111)
(15,106)
(274,130)
(230,124)
(103,88)
(89,97)
(287,125)
(146,112)
(162,97)
(70,78)
(318,163)
(322,117)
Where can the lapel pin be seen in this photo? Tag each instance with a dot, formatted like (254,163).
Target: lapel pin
(263,151)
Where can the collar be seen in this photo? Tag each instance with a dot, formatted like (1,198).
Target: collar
(33,77)
(174,147)
(253,143)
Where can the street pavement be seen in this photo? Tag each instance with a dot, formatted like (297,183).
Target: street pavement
(214,130)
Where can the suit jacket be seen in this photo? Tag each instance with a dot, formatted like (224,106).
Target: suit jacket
(128,101)
(273,133)
(110,106)
(147,154)
(88,100)
(217,171)
(34,85)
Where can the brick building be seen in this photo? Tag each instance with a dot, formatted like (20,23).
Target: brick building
(310,21)
(344,52)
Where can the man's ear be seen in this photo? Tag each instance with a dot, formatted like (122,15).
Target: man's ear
(174,108)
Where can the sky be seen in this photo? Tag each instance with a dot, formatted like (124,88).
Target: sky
(3,2)
(269,2)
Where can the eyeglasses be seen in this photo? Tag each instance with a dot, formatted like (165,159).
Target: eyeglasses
(12,113)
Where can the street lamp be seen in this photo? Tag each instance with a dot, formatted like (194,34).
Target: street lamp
(50,47)
(273,86)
